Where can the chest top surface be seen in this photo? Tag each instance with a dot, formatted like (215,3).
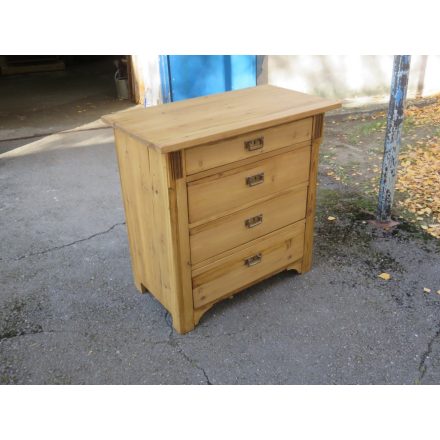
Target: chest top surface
(183,124)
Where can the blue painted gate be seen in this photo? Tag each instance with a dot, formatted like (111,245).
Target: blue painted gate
(189,76)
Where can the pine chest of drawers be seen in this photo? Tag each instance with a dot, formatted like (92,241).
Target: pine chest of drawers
(219,193)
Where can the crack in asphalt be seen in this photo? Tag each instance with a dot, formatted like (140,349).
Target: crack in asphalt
(56,248)
(175,344)
(422,366)
(43,332)
(37,331)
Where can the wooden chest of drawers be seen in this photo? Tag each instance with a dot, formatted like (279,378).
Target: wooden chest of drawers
(219,193)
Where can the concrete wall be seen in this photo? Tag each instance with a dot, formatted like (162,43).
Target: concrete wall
(348,76)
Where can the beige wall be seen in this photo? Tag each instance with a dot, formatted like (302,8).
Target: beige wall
(348,76)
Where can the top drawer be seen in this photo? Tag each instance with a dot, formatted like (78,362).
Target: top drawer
(251,144)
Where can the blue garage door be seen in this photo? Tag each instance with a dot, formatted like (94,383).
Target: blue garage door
(189,76)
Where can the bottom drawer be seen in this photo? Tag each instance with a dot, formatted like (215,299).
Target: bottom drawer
(256,261)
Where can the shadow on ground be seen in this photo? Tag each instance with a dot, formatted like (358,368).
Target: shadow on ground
(69,312)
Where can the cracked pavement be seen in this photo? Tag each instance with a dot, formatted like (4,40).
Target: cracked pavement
(70,314)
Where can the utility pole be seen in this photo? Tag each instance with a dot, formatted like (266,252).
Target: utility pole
(399,85)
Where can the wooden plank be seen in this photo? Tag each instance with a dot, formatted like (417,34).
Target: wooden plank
(161,234)
(248,224)
(122,154)
(311,196)
(251,264)
(182,308)
(146,203)
(197,121)
(213,155)
(214,195)
(150,248)
(136,186)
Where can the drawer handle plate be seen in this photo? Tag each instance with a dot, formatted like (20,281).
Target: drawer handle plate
(254,144)
(257,179)
(252,261)
(254,221)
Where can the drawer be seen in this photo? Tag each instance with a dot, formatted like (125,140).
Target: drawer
(221,194)
(247,224)
(231,150)
(257,261)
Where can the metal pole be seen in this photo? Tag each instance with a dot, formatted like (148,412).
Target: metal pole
(395,116)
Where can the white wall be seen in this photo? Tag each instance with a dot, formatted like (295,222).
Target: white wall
(348,76)
(146,79)
(333,76)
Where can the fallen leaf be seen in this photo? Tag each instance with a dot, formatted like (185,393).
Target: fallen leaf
(385,276)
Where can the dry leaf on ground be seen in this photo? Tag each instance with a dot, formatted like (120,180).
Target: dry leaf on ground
(419,171)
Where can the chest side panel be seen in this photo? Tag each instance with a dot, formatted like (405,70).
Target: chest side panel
(146,201)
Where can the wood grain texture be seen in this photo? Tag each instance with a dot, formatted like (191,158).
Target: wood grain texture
(231,274)
(220,170)
(182,308)
(213,196)
(183,124)
(233,230)
(124,152)
(232,150)
(146,202)
(207,222)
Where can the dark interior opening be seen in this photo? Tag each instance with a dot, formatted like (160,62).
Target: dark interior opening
(45,94)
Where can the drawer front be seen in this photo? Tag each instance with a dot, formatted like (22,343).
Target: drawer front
(248,224)
(213,155)
(219,195)
(231,274)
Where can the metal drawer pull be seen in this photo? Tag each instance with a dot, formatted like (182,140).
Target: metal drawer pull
(254,221)
(252,261)
(254,144)
(255,180)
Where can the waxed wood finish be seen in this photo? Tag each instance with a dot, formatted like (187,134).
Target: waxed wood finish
(145,197)
(219,193)
(232,150)
(213,196)
(216,117)
(248,224)
(231,273)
